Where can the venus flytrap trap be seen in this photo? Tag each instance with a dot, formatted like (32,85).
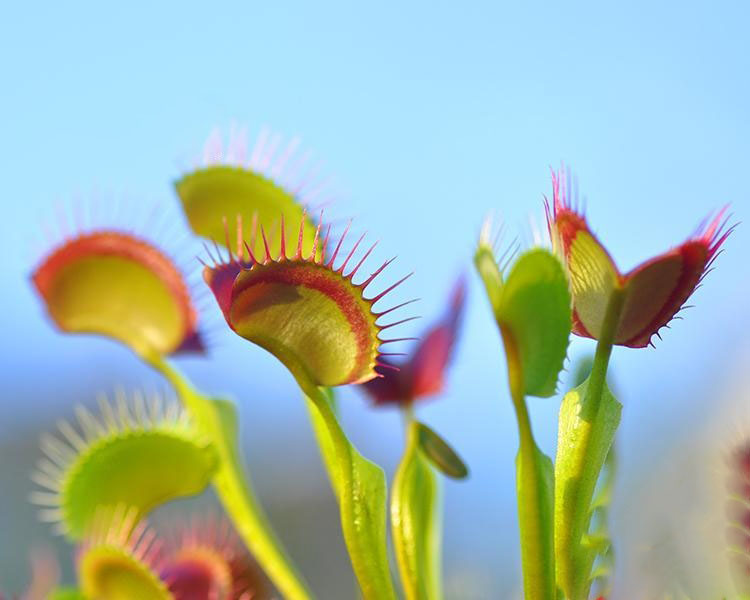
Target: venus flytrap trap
(416,515)
(531,304)
(122,558)
(311,315)
(615,309)
(118,559)
(135,452)
(203,558)
(260,185)
(116,284)
(268,187)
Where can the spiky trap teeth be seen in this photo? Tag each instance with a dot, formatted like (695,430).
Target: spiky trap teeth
(264,182)
(654,292)
(204,559)
(115,284)
(122,558)
(119,558)
(422,373)
(303,308)
(137,451)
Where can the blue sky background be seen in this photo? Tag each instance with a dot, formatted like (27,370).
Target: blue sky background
(429,116)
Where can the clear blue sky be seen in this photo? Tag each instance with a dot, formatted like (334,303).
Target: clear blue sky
(429,115)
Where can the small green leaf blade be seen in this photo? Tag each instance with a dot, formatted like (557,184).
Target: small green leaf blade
(535,307)
(440,453)
(415,522)
(585,438)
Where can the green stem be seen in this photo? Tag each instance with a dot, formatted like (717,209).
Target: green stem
(598,375)
(534,489)
(216,419)
(416,517)
(573,565)
(360,488)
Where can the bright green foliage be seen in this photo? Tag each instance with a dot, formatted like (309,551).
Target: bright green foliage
(360,488)
(218,194)
(534,304)
(140,456)
(439,452)
(586,431)
(415,521)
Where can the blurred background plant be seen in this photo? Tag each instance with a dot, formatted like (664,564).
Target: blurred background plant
(484,96)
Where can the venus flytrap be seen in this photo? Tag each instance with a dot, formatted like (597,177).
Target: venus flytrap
(122,558)
(203,558)
(615,309)
(136,453)
(416,519)
(266,187)
(531,304)
(311,316)
(238,183)
(118,559)
(116,284)
(108,282)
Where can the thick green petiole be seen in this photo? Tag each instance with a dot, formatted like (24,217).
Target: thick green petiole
(534,491)
(360,488)
(415,519)
(589,416)
(217,419)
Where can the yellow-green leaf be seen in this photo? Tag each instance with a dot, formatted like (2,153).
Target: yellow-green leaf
(586,433)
